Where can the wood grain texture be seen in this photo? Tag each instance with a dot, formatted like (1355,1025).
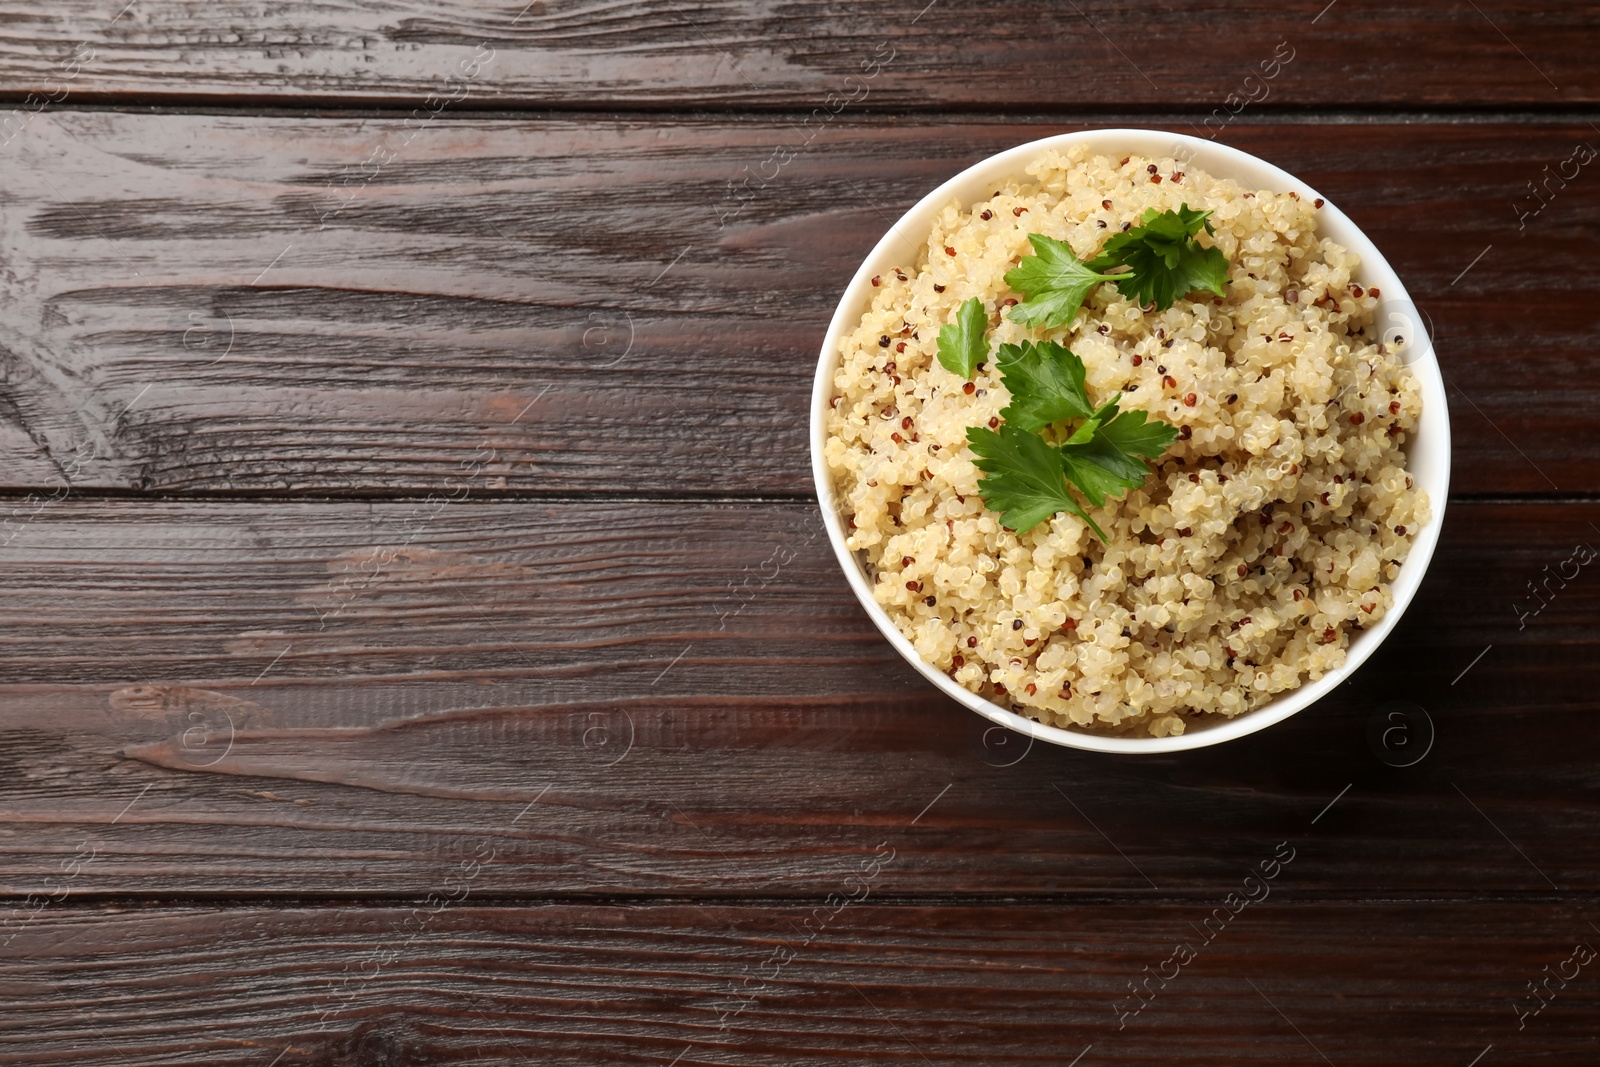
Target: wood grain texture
(765,53)
(548,723)
(202,303)
(347,698)
(1278,983)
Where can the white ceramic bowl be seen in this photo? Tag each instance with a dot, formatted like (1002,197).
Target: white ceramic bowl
(1428,451)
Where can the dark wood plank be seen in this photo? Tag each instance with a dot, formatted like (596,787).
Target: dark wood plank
(349,698)
(490,312)
(762,53)
(1280,982)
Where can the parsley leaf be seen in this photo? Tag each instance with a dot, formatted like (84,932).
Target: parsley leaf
(1053,283)
(1102,463)
(1045,381)
(1166,261)
(1025,478)
(1135,433)
(962,344)
(1099,470)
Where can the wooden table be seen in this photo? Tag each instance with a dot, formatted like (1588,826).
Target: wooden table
(421,646)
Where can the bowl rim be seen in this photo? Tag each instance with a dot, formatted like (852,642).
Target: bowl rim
(1432,436)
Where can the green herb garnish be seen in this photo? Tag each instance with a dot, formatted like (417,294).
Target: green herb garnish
(1053,282)
(1102,463)
(962,344)
(1137,434)
(1166,260)
(1027,477)
(1045,382)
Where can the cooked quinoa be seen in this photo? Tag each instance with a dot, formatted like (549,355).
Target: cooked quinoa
(1262,541)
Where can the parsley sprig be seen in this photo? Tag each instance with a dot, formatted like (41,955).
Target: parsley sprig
(1026,477)
(962,344)
(1166,260)
(1053,281)
(1157,261)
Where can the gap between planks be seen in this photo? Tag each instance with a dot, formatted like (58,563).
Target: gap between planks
(209,901)
(363,109)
